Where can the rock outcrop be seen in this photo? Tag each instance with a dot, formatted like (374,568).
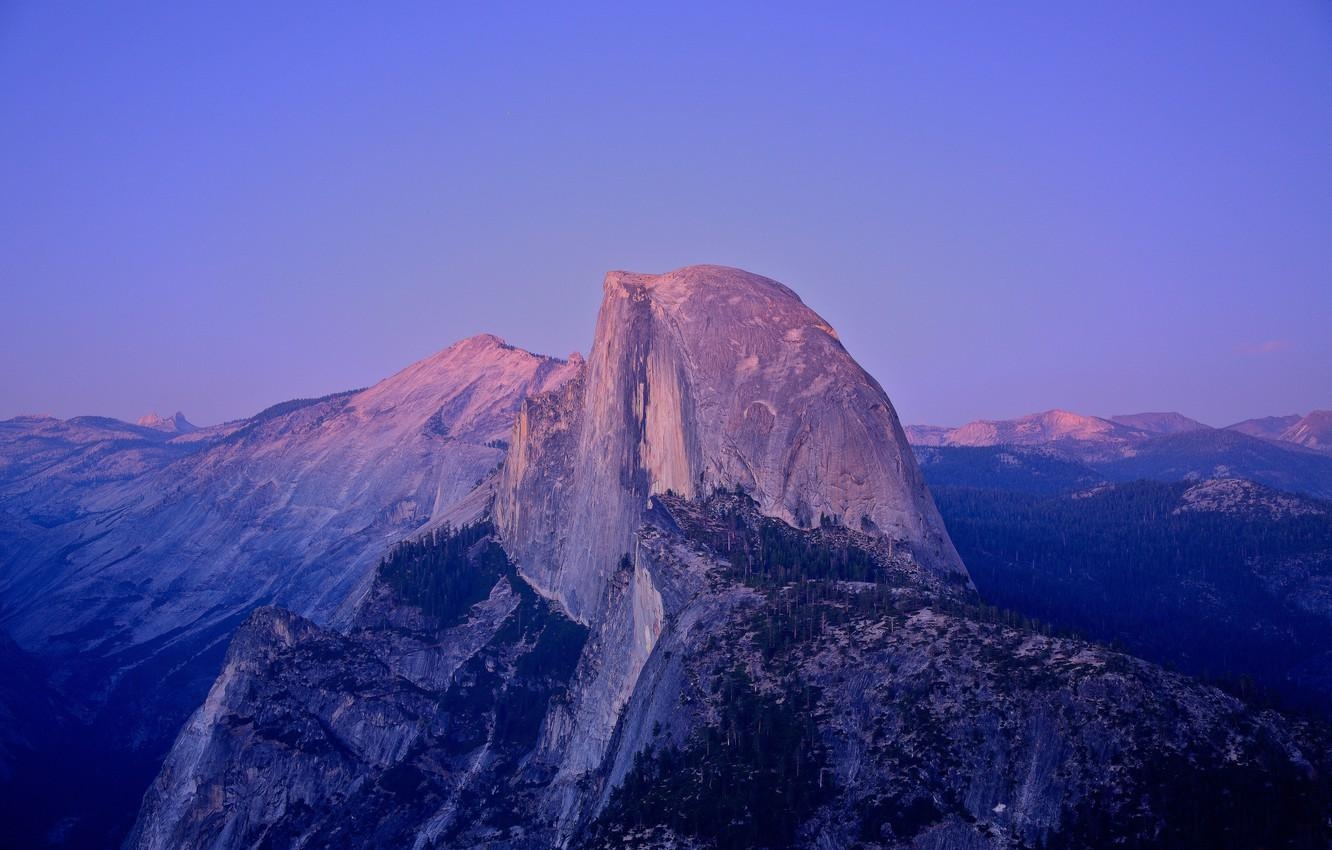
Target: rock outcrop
(174,424)
(705,378)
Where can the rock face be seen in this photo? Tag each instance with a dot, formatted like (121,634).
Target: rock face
(174,424)
(701,379)
(409,718)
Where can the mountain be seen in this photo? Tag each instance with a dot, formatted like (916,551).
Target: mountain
(319,486)
(1085,438)
(1267,427)
(1157,446)
(713,606)
(175,424)
(1160,423)
(1313,431)
(927,435)
(131,557)
(1222,453)
(702,379)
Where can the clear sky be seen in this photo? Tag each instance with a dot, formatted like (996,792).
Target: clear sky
(1002,207)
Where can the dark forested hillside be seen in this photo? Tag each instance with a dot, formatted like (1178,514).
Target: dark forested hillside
(1022,469)
(1239,595)
(1220,453)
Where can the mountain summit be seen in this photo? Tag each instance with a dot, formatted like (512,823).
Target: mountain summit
(701,379)
(175,424)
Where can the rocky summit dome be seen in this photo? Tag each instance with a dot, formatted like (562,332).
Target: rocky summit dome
(706,377)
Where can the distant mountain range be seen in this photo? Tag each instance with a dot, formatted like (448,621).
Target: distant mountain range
(1093,434)
(1048,450)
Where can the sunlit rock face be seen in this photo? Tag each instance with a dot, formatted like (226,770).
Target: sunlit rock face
(707,377)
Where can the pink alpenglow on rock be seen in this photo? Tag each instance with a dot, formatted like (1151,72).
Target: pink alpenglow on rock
(703,378)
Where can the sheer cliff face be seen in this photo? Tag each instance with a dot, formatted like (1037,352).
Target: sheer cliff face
(703,378)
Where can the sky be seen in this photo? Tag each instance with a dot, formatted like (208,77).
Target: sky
(1002,207)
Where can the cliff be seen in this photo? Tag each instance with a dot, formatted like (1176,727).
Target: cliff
(705,378)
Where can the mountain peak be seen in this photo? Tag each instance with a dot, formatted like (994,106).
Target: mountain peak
(698,292)
(174,424)
(481,340)
(702,378)
(477,382)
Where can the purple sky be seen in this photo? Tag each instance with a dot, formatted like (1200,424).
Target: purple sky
(1107,207)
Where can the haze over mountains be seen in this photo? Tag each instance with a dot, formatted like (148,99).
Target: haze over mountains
(692,591)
